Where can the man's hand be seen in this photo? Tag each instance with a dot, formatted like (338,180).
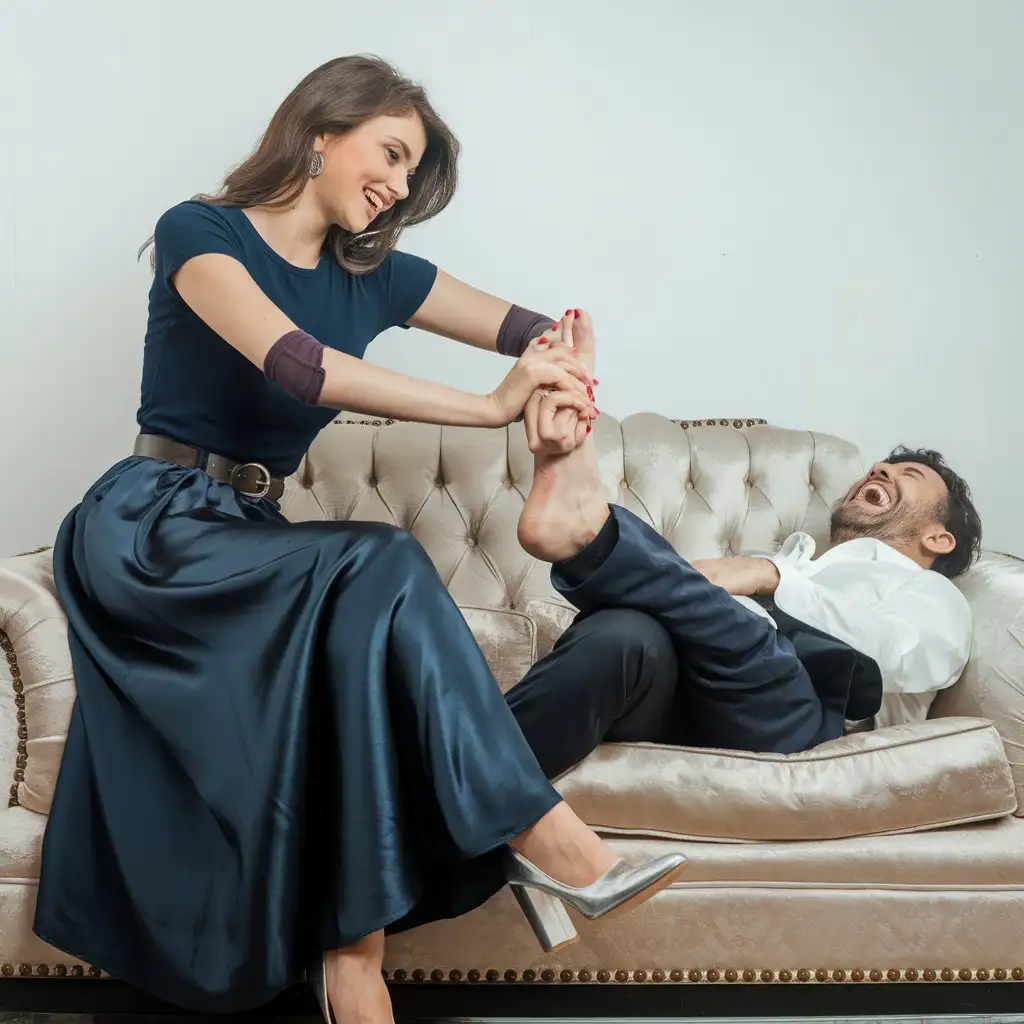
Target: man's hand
(747,577)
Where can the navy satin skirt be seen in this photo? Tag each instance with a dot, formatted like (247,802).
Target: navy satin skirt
(285,738)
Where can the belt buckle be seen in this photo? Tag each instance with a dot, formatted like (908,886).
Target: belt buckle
(265,481)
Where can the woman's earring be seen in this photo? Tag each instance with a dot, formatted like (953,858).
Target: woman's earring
(316,165)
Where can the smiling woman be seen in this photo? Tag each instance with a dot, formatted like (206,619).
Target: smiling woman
(286,739)
(373,120)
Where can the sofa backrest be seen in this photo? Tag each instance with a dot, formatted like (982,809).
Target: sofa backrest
(712,488)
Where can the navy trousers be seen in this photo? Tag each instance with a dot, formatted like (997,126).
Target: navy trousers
(659,654)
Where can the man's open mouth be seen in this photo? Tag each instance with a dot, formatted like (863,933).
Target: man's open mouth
(876,495)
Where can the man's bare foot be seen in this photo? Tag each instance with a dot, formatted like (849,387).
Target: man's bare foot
(565,509)
(355,985)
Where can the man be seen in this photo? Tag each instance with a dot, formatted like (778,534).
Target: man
(763,654)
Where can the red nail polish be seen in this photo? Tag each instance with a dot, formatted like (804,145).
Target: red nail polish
(589,428)
(554,327)
(595,381)
(568,312)
(577,313)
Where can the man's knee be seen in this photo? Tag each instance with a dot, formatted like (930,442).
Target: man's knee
(627,636)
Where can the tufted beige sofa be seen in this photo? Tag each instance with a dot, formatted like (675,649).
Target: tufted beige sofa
(886,856)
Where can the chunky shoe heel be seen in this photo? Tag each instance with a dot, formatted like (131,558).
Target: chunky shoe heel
(547,917)
(620,888)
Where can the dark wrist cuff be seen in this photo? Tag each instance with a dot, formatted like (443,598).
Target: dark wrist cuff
(519,328)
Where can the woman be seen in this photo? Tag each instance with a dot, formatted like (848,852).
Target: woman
(286,739)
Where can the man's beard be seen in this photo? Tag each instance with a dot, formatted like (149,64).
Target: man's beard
(898,525)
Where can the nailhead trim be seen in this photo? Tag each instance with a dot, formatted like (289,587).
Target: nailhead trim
(19,701)
(739,424)
(23,970)
(696,976)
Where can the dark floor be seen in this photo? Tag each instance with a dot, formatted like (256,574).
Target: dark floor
(50,1018)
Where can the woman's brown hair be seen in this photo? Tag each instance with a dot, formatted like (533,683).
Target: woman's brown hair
(335,98)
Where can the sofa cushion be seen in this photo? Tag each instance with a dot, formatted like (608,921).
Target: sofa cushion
(551,619)
(773,912)
(508,640)
(901,779)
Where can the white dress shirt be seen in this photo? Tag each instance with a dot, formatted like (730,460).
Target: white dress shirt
(913,622)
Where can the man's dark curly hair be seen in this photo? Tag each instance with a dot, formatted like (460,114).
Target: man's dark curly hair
(957,513)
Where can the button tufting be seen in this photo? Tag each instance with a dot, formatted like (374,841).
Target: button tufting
(372,482)
(689,485)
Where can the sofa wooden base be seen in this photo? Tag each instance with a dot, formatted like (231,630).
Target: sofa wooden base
(105,998)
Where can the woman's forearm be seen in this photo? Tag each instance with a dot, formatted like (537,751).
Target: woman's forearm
(357,386)
(454,309)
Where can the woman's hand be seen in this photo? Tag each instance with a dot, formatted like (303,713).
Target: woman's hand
(543,365)
(553,426)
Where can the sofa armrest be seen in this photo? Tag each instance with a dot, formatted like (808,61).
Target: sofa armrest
(992,685)
(36,672)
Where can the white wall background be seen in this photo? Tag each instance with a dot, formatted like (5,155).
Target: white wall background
(807,210)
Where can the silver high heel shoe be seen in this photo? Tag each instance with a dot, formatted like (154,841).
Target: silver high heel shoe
(543,899)
(317,977)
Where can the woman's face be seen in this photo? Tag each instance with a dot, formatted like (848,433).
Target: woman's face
(367,170)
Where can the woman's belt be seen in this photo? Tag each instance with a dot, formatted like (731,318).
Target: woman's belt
(252,479)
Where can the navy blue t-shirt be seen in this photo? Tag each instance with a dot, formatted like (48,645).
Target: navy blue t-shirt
(199,390)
